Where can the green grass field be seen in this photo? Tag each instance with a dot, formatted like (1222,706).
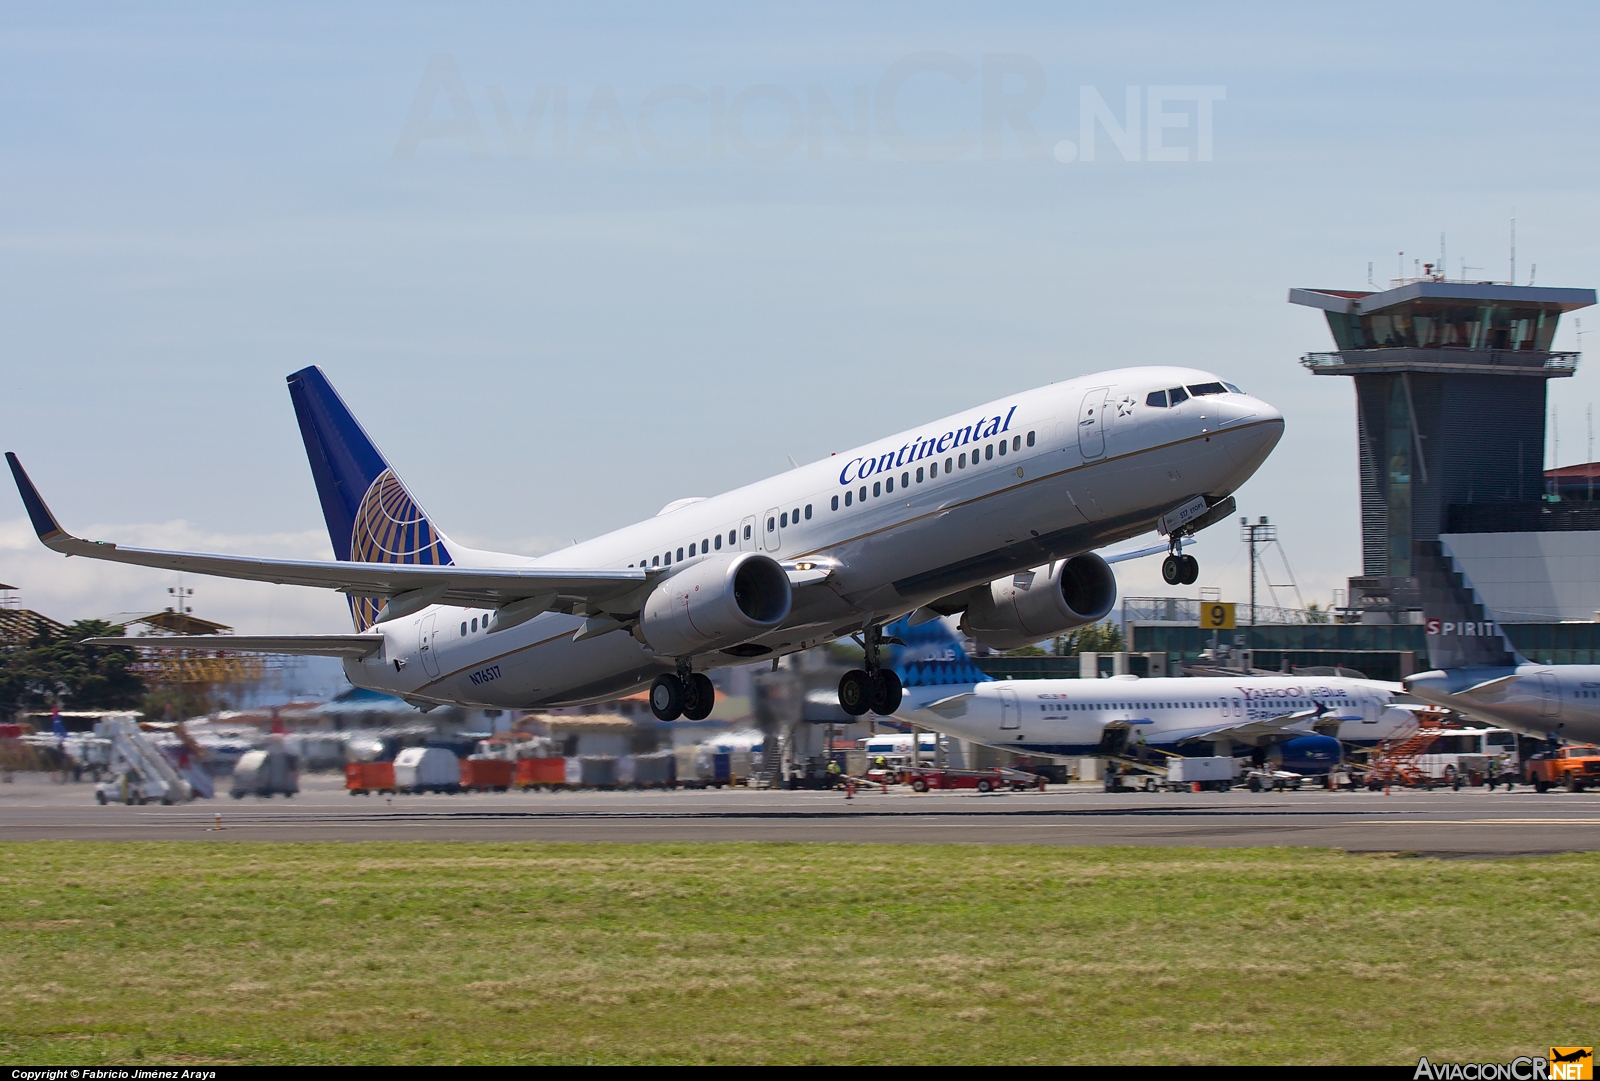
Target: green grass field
(462,953)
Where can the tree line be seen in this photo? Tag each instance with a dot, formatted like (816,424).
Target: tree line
(54,667)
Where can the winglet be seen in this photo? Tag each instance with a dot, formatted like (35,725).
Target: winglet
(44,523)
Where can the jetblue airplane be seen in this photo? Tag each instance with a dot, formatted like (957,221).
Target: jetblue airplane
(1297,722)
(1481,674)
(995,513)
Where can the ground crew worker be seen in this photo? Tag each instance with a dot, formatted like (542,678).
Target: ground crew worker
(833,772)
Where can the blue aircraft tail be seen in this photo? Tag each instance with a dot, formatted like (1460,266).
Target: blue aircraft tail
(371,517)
(932,655)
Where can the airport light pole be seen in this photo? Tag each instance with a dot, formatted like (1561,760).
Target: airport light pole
(1254,534)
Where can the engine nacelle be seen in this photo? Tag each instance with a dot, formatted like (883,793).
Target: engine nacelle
(716,603)
(1041,603)
(1307,754)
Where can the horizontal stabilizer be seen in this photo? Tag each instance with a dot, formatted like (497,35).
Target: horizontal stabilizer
(954,706)
(1490,688)
(304,645)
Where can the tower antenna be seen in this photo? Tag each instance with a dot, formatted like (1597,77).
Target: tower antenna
(1513,247)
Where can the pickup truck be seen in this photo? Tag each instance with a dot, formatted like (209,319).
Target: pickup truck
(1577,767)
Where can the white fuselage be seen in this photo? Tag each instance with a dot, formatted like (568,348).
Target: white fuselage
(895,524)
(1093,716)
(1542,700)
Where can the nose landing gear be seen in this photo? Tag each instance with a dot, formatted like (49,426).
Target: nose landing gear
(877,689)
(1179,569)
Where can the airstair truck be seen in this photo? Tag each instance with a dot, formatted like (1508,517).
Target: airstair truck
(140,772)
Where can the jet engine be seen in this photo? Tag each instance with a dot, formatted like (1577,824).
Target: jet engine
(1041,603)
(715,603)
(1315,755)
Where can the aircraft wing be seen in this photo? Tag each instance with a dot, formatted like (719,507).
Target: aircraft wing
(1256,733)
(472,587)
(305,645)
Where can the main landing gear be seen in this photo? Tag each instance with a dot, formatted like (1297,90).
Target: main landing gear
(877,689)
(688,694)
(1178,569)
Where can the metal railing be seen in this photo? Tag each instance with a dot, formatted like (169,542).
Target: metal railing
(1187,610)
(1454,359)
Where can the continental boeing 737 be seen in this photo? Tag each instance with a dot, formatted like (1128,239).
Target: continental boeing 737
(1295,722)
(994,513)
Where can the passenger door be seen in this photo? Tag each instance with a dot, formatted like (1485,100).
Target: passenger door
(1091,423)
(1010,709)
(425,650)
(747,534)
(1550,694)
(771,536)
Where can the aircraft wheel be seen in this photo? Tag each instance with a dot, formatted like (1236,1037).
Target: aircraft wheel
(855,692)
(698,696)
(886,692)
(1172,571)
(666,697)
(1254,785)
(1190,570)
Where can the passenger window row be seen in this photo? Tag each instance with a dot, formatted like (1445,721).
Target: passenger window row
(886,487)
(707,545)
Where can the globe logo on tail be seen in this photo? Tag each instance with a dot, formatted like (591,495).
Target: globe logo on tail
(391,528)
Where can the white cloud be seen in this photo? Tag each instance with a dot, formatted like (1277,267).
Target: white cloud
(67,589)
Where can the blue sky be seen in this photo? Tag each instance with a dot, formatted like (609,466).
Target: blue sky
(551,337)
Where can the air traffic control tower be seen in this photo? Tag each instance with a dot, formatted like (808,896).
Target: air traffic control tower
(1450,381)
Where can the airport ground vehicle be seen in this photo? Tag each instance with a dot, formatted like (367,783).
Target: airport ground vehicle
(365,778)
(1210,773)
(1573,768)
(983,780)
(1272,780)
(427,769)
(486,774)
(266,773)
(140,771)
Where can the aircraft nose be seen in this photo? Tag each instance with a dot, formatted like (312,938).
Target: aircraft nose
(1242,409)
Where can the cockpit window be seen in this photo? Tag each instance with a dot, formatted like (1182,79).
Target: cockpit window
(1233,388)
(1157,398)
(1178,395)
(1197,389)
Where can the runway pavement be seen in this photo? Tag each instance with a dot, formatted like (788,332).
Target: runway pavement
(1473,822)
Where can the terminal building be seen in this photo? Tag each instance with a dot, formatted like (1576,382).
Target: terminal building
(1452,381)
